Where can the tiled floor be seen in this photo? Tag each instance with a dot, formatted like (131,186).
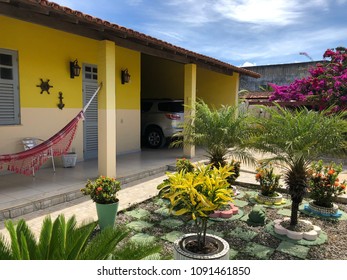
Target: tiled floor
(21,194)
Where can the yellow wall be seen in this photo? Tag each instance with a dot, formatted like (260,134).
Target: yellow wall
(215,88)
(128,94)
(128,101)
(161,78)
(165,79)
(45,53)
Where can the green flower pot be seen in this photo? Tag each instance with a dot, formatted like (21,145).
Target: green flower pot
(106,214)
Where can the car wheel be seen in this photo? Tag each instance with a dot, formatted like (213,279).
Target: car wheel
(155,138)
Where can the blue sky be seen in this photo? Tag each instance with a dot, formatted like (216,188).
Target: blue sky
(239,32)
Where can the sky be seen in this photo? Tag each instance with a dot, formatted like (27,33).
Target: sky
(238,32)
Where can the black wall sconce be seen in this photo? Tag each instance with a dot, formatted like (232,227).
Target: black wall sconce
(75,69)
(125,76)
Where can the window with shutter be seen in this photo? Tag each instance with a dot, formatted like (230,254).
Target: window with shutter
(9,95)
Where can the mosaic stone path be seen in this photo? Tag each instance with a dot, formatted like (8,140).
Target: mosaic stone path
(152,222)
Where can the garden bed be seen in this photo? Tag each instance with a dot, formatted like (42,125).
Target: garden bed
(150,220)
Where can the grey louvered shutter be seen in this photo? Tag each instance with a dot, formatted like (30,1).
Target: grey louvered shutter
(91,115)
(9,95)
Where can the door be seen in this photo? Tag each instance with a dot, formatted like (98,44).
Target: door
(90,128)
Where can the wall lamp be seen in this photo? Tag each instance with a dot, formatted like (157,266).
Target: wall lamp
(75,69)
(125,76)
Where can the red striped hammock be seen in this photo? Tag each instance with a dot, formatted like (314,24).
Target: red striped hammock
(26,161)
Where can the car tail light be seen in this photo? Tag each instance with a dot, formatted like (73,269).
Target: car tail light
(173,116)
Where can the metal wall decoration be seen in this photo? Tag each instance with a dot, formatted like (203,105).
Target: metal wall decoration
(45,86)
(61,104)
(125,76)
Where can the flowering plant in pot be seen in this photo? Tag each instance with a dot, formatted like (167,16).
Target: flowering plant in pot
(195,195)
(269,184)
(324,184)
(103,191)
(267,178)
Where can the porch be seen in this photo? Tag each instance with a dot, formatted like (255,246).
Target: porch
(20,195)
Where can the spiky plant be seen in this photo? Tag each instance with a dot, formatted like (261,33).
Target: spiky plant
(295,138)
(64,240)
(220,131)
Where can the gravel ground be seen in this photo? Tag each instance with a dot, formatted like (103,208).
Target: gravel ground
(335,248)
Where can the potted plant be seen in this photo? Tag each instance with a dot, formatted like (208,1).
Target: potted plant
(184,164)
(324,187)
(103,191)
(195,195)
(269,184)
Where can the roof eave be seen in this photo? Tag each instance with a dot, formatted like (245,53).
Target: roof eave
(65,19)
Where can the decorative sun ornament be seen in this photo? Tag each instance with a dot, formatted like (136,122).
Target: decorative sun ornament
(44,86)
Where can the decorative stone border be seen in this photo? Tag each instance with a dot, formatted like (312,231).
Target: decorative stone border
(296,235)
(225,214)
(323,211)
(181,253)
(270,200)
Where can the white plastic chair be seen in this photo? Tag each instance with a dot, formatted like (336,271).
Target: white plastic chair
(31,142)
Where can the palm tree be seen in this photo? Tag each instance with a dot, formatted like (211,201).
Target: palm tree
(221,132)
(295,138)
(64,240)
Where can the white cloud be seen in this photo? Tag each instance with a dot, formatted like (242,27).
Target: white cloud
(279,12)
(245,64)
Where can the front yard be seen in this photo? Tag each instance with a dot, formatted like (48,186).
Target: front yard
(150,220)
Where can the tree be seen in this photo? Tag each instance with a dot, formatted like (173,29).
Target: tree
(221,132)
(64,240)
(325,85)
(295,138)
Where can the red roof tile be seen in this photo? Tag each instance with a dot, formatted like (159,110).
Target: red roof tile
(129,33)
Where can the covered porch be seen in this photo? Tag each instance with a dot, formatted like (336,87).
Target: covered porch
(20,194)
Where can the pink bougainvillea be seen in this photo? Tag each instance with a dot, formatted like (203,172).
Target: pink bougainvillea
(326,83)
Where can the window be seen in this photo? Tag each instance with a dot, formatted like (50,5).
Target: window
(9,95)
(173,107)
(90,72)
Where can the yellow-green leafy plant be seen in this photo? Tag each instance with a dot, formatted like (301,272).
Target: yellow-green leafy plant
(197,194)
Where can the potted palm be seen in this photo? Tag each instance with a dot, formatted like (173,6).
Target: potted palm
(195,195)
(103,191)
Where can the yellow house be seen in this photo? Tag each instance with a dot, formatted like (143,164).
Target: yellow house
(39,95)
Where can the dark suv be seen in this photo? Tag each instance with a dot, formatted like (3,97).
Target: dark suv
(160,119)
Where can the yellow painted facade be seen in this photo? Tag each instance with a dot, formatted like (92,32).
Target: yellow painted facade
(217,89)
(45,53)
